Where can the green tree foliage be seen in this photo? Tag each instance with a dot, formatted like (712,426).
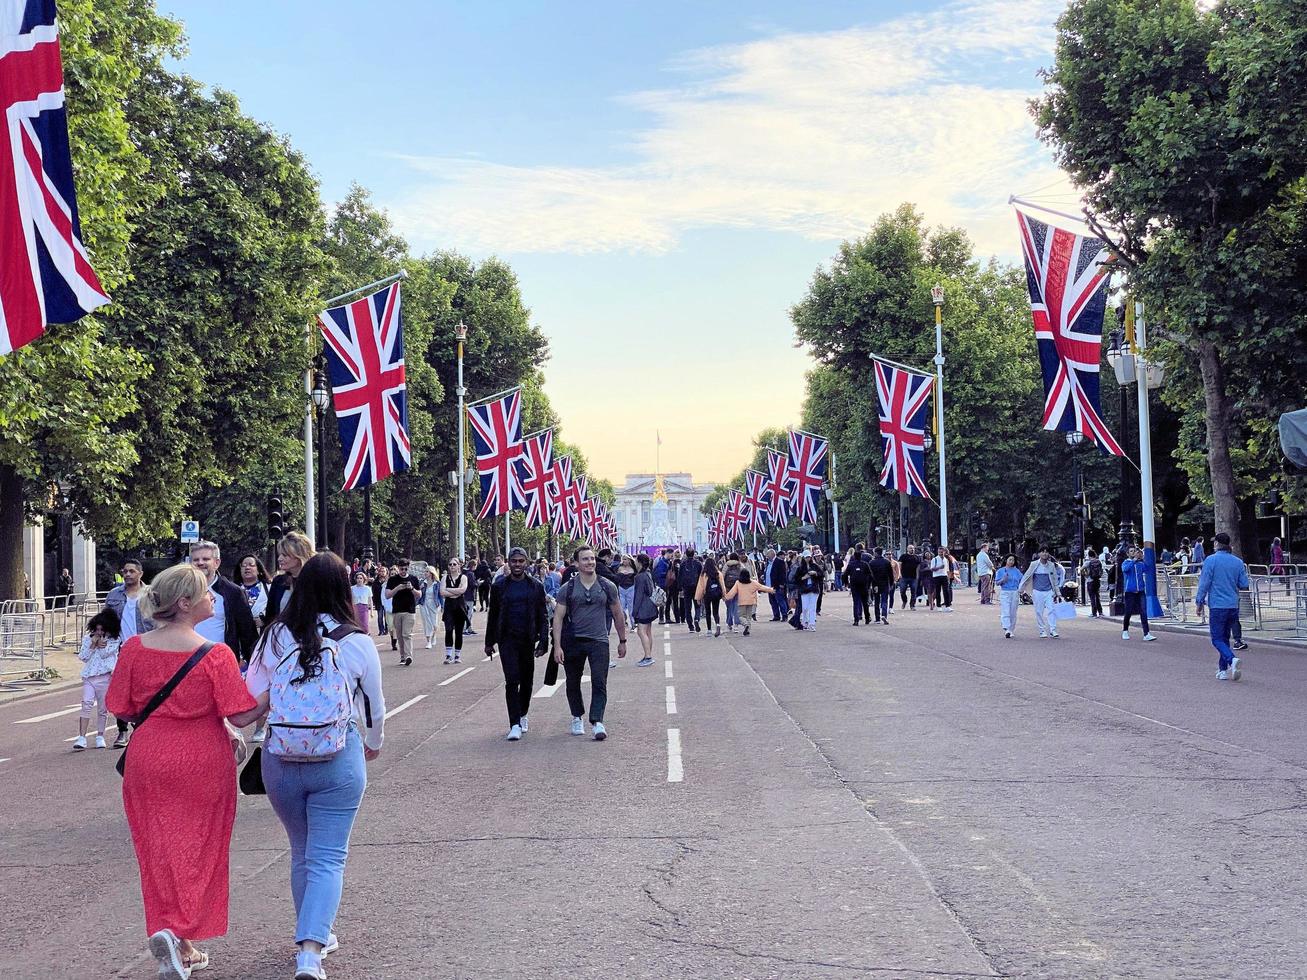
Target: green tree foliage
(62,398)
(1184,127)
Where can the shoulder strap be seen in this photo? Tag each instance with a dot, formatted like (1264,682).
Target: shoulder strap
(165,692)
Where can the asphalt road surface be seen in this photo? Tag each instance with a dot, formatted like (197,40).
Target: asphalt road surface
(924,799)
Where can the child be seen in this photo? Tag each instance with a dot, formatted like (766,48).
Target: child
(361,593)
(100,655)
(746,591)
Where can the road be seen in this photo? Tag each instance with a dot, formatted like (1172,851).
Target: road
(924,799)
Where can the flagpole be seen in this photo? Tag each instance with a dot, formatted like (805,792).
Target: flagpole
(310,505)
(1146,459)
(834,504)
(460,333)
(937,296)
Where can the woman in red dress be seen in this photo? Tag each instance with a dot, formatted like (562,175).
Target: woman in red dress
(179,788)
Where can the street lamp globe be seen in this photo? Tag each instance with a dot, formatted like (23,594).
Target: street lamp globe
(937,295)
(460,331)
(320,395)
(927,441)
(1074,438)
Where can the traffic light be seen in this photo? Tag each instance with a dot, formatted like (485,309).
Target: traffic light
(276,522)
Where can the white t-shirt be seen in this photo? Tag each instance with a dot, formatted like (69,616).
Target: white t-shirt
(127,629)
(358,661)
(362,595)
(214,629)
(939,567)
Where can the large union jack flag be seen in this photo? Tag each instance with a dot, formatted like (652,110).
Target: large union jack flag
(497,436)
(779,487)
(45,273)
(535,470)
(588,519)
(757,499)
(903,399)
(560,478)
(736,517)
(1067,297)
(577,492)
(806,471)
(364,346)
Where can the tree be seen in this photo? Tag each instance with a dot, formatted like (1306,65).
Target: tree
(62,397)
(1184,128)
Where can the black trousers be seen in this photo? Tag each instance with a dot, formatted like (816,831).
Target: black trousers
(574,661)
(454,633)
(517,657)
(943,591)
(712,612)
(861,610)
(880,601)
(1095,600)
(1135,606)
(673,605)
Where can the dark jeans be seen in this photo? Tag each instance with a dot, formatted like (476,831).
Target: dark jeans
(483,594)
(574,660)
(382,628)
(1095,601)
(1135,606)
(1220,624)
(880,601)
(454,633)
(908,590)
(712,612)
(690,610)
(861,609)
(779,609)
(517,657)
(943,591)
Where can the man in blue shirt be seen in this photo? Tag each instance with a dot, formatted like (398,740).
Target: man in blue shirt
(1223,575)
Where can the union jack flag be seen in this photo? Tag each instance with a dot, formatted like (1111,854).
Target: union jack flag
(714,530)
(757,499)
(45,273)
(779,487)
(1067,297)
(587,518)
(806,470)
(903,397)
(497,435)
(560,478)
(736,516)
(364,347)
(576,497)
(535,471)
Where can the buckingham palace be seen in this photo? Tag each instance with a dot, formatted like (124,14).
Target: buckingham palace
(661,509)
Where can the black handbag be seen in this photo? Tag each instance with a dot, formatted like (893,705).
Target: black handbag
(161,696)
(251,777)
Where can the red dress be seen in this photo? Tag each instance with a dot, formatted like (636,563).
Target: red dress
(179,791)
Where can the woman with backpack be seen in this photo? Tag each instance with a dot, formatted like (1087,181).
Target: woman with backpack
(1093,583)
(315,665)
(709,594)
(645,610)
(673,588)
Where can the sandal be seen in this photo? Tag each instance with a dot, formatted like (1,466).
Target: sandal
(199,960)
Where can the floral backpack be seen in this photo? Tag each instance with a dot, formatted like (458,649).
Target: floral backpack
(309,721)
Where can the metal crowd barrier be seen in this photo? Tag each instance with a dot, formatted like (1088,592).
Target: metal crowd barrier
(1270,603)
(22,652)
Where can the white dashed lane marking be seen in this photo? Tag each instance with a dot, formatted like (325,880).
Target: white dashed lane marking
(52,714)
(403,707)
(450,680)
(671,700)
(675,771)
(667,669)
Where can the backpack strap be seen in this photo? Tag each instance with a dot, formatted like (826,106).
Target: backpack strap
(342,631)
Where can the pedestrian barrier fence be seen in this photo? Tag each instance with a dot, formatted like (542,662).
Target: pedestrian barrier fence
(1270,603)
(22,651)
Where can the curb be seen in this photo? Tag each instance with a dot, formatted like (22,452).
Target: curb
(1251,636)
(36,692)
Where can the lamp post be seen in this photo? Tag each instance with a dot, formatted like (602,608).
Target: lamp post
(1075,440)
(937,297)
(1122,360)
(321,398)
(460,334)
(927,442)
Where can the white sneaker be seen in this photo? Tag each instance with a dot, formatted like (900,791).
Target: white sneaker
(1042,635)
(514,734)
(525,726)
(1235,672)
(1055,634)
(166,948)
(578,726)
(1222,675)
(308,966)
(79,743)
(601,733)
(333,944)
(1125,634)
(99,741)
(1007,634)
(1149,638)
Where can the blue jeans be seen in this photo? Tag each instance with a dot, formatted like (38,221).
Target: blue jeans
(316,803)
(779,607)
(1220,623)
(732,612)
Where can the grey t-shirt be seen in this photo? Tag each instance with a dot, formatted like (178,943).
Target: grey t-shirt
(588,608)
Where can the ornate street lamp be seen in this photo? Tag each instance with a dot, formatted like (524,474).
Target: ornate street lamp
(321,399)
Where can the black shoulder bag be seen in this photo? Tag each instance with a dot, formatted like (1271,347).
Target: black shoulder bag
(161,696)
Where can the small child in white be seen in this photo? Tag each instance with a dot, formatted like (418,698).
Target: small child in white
(99,653)
(361,594)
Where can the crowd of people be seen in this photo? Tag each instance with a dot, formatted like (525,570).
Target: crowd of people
(187,662)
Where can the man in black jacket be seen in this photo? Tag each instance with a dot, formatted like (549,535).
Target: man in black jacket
(775,576)
(691,568)
(909,563)
(882,580)
(519,622)
(232,622)
(857,573)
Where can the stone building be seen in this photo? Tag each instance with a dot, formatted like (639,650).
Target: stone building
(661,509)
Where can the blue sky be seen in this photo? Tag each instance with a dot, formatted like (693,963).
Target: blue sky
(663,177)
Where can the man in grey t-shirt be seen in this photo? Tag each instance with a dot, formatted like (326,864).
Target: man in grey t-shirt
(588,601)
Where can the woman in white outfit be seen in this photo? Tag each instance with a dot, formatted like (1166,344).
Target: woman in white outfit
(1008,582)
(430,605)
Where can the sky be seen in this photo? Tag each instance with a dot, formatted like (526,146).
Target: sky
(664,178)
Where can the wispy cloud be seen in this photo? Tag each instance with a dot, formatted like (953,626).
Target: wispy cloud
(814,134)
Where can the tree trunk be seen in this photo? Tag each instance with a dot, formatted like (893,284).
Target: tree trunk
(11,534)
(1220,467)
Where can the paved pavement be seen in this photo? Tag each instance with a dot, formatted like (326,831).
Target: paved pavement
(924,799)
